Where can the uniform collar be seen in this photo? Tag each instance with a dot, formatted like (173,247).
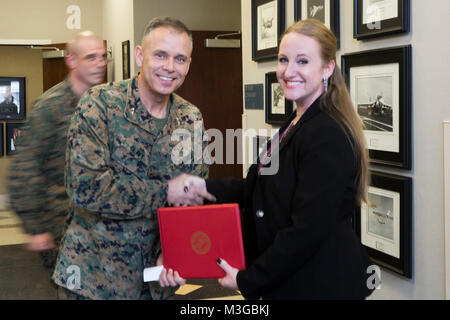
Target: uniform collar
(136,112)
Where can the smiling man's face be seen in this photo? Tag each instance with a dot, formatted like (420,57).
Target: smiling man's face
(164,59)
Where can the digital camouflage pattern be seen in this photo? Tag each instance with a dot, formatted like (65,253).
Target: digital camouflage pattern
(118,167)
(36,182)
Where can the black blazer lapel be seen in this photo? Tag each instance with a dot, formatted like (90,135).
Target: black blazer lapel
(312,111)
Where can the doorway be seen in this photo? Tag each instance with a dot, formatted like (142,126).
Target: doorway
(214,85)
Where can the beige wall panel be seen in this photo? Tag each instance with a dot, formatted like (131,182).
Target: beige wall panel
(46,19)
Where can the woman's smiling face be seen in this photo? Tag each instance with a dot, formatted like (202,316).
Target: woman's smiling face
(301,69)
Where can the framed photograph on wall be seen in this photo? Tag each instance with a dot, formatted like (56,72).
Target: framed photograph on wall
(375,18)
(12,133)
(12,98)
(1,139)
(326,11)
(126,59)
(379,83)
(385,227)
(278,108)
(268,23)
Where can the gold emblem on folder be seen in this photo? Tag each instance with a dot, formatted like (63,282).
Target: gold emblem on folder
(200,242)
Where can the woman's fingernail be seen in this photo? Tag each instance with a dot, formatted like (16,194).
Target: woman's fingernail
(219,261)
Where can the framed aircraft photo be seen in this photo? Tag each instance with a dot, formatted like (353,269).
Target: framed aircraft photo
(385,226)
(379,83)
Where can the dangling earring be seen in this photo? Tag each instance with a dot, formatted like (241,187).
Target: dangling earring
(325,83)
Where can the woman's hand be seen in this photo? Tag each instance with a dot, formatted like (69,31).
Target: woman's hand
(229,281)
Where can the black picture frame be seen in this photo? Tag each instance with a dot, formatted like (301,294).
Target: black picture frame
(12,98)
(1,140)
(126,59)
(397,20)
(12,132)
(328,13)
(388,123)
(268,50)
(385,229)
(274,93)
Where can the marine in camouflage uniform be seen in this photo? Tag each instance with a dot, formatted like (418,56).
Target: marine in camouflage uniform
(36,184)
(118,167)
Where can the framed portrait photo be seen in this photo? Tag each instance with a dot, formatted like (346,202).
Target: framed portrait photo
(12,133)
(268,23)
(126,59)
(326,11)
(379,83)
(278,108)
(385,227)
(12,98)
(375,18)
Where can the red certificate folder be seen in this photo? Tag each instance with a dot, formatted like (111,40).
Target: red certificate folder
(192,238)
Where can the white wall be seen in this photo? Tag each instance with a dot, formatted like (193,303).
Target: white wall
(430,106)
(118,26)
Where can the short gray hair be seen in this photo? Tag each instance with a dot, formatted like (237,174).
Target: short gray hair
(165,21)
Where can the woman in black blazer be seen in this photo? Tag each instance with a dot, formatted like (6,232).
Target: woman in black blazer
(298,234)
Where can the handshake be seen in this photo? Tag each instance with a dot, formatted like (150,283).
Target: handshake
(186,190)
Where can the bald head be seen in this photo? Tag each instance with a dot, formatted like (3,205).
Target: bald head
(78,42)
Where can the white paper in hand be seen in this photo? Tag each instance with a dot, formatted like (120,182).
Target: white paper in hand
(152,274)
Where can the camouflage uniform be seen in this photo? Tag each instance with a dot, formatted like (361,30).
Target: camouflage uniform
(118,167)
(36,184)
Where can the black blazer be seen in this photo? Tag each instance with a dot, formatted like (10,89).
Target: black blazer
(298,235)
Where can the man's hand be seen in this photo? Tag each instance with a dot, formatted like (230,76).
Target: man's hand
(169,278)
(40,242)
(187,190)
